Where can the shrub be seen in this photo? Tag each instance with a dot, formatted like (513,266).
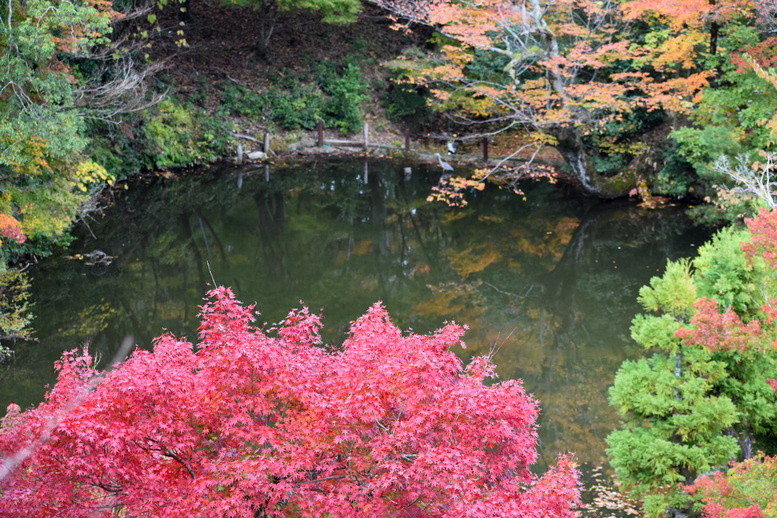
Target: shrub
(346,91)
(178,137)
(747,490)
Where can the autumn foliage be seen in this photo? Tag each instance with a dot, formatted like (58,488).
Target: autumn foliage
(10,229)
(724,330)
(764,241)
(746,491)
(721,331)
(268,422)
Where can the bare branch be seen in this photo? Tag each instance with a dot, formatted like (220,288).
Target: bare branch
(752,178)
(127,92)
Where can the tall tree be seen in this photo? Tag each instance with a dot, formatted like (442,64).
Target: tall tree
(60,65)
(709,64)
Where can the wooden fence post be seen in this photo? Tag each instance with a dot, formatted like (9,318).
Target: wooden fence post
(485,149)
(407,140)
(366,137)
(320,133)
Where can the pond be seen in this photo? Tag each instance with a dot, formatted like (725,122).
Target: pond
(549,285)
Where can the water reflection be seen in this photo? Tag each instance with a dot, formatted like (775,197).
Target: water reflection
(547,286)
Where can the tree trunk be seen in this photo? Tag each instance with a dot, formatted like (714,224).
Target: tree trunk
(570,145)
(268,16)
(714,31)
(569,142)
(678,371)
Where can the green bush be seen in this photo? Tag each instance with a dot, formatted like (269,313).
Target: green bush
(620,140)
(177,137)
(330,93)
(346,91)
(723,273)
(407,103)
(298,108)
(240,101)
(678,176)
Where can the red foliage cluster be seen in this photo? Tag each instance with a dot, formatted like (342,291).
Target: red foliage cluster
(740,512)
(720,331)
(725,331)
(764,241)
(746,491)
(9,228)
(265,423)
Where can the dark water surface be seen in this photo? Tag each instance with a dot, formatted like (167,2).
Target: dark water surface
(550,283)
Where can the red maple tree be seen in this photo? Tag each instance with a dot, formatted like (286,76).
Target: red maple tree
(268,422)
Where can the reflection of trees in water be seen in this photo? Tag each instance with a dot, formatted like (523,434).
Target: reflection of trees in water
(165,234)
(271,223)
(564,296)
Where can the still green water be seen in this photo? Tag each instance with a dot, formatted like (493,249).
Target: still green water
(550,283)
